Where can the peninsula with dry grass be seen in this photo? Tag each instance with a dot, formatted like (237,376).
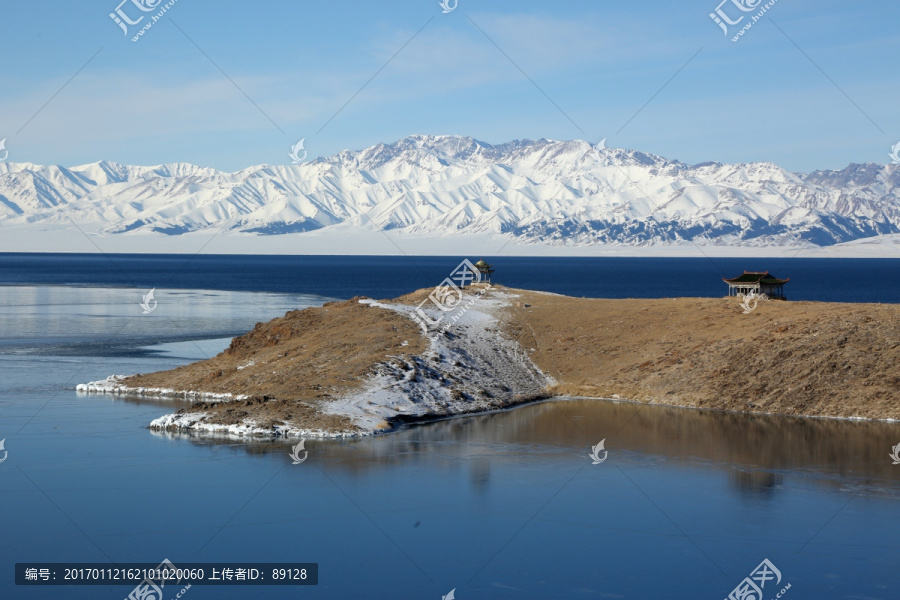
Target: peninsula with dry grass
(364,366)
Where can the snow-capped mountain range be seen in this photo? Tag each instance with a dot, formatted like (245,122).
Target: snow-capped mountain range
(560,193)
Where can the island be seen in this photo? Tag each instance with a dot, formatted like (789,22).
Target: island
(365,366)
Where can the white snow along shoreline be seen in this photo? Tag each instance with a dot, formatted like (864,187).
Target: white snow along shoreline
(471,368)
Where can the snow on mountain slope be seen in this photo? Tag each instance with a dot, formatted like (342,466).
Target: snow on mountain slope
(560,193)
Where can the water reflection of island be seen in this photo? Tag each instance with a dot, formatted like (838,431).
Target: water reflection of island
(755,450)
(758,483)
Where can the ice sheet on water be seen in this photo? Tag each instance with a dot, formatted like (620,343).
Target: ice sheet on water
(106,321)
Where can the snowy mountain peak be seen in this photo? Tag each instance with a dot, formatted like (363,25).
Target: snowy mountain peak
(568,192)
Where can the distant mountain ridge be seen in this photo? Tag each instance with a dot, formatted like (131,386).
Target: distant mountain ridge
(547,192)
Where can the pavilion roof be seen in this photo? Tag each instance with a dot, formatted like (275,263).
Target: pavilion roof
(757,277)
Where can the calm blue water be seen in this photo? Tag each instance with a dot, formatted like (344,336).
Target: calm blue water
(834,280)
(498,506)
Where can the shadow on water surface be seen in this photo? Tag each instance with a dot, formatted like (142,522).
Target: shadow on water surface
(755,450)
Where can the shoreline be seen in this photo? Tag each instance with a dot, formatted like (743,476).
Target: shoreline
(111,386)
(364,367)
(473,369)
(728,411)
(399,425)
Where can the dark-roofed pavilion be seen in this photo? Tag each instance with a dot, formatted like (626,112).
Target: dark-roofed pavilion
(756,282)
(485,269)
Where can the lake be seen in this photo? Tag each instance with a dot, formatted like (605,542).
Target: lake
(823,279)
(507,505)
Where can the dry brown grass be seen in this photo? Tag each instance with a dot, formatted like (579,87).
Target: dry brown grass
(291,364)
(795,358)
(800,358)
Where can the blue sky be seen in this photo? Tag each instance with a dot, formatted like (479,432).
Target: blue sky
(163,100)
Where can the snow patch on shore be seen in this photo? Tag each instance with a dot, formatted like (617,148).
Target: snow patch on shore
(470,367)
(196,422)
(113,385)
